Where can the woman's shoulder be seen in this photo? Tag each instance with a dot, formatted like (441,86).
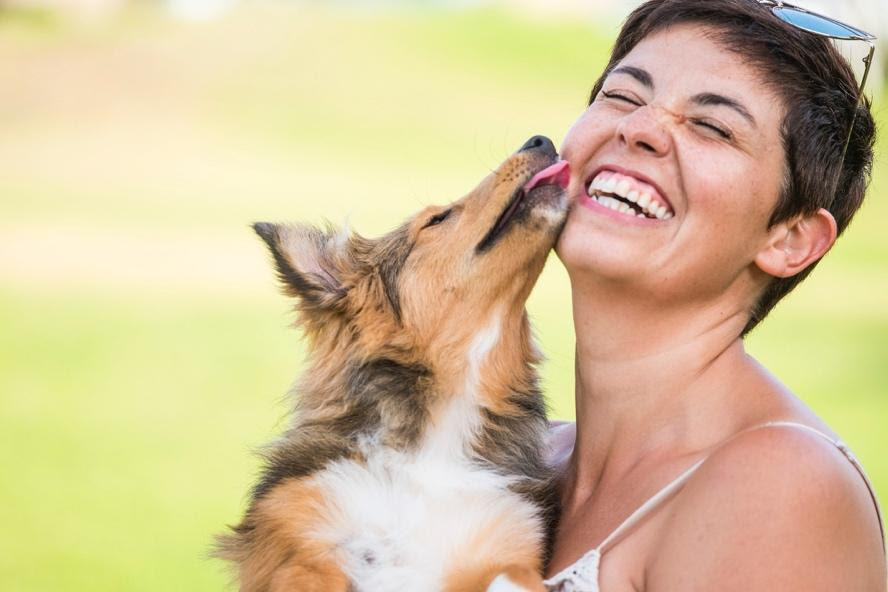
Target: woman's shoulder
(778,499)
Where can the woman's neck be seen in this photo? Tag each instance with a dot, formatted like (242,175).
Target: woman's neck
(654,384)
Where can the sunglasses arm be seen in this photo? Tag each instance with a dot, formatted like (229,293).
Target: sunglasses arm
(868,61)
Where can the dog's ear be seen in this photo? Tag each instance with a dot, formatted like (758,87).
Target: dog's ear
(310,262)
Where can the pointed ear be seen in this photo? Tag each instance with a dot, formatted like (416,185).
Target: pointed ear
(795,244)
(310,262)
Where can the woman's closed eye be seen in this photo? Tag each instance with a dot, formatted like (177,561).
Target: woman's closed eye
(622,97)
(710,126)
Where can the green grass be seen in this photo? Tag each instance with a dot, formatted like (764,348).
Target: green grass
(144,351)
(126,426)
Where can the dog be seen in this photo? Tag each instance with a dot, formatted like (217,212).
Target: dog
(415,461)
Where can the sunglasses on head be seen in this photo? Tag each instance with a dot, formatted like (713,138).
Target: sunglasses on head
(825,26)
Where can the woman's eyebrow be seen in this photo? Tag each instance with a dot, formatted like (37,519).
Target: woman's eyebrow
(637,73)
(716,100)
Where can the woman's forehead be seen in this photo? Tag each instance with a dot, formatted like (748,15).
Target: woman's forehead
(691,55)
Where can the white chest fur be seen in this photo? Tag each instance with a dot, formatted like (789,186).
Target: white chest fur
(400,523)
(404,521)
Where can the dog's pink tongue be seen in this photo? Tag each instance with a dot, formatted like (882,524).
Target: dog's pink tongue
(557,174)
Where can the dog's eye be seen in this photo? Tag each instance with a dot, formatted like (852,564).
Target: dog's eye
(437,219)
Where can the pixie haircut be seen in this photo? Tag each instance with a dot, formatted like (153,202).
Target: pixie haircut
(819,92)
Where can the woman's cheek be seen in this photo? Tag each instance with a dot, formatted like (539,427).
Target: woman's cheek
(583,137)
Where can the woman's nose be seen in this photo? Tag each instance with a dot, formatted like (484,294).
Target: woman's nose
(645,129)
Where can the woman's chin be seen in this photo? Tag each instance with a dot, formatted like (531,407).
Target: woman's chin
(586,254)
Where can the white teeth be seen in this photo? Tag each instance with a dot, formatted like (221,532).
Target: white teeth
(622,188)
(609,182)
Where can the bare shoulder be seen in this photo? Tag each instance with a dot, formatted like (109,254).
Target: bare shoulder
(777,508)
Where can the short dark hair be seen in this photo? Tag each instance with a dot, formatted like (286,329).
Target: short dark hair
(819,91)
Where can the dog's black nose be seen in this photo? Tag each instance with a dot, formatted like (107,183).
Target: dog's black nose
(540,143)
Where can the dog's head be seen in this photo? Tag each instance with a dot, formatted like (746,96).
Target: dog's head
(432,282)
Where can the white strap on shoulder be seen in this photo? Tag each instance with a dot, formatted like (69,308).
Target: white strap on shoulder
(658,498)
(849,455)
(649,506)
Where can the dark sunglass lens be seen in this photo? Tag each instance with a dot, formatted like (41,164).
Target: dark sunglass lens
(817,24)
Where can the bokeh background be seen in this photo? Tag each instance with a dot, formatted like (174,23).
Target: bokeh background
(144,349)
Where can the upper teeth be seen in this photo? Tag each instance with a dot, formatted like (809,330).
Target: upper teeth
(621,185)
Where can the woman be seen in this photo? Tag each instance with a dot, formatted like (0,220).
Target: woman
(709,175)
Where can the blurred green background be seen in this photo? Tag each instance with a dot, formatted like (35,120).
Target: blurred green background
(144,348)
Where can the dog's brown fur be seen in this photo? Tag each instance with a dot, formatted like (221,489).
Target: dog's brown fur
(388,323)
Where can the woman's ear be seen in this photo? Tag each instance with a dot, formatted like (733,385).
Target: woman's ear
(797,243)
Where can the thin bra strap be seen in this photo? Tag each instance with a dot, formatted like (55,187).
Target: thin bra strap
(648,506)
(851,458)
(673,486)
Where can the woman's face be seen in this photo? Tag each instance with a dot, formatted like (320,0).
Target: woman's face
(676,168)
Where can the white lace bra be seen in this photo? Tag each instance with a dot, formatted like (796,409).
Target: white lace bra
(582,575)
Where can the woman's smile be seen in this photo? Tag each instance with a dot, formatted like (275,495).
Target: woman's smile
(632,197)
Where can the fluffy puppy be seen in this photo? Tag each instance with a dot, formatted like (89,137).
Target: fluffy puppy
(415,456)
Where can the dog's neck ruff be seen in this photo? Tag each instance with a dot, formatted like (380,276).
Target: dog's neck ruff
(430,496)
(451,432)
